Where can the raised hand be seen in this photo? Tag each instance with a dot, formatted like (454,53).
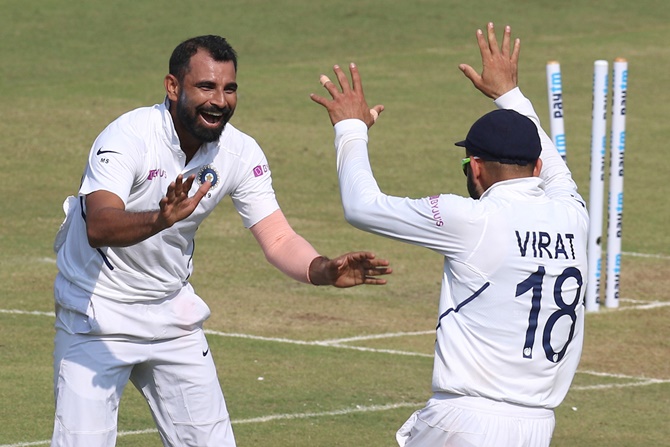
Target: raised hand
(177,205)
(499,65)
(348,270)
(348,103)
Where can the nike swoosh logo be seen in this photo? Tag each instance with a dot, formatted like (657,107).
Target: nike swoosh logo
(204,353)
(100,152)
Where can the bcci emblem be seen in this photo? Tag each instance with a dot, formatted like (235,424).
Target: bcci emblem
(208,174)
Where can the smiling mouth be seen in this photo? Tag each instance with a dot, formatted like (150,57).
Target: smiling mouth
(212,117)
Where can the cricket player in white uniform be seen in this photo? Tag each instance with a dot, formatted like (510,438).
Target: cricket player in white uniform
(124,307)
(510,326)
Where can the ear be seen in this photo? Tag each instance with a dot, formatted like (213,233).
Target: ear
(476,167)
(538,168)
(171,87)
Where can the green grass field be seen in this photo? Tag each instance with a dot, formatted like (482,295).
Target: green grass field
(307,366)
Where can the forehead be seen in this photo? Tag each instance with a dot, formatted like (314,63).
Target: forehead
(202,67)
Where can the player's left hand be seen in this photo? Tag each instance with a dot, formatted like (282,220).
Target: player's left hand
(348,270)
(500,65)
(350,102)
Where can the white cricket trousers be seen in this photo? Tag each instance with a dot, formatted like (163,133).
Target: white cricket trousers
(176,376)
(463,421)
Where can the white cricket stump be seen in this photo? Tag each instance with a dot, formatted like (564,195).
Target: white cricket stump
(597,183)
(615,208)
(555,100)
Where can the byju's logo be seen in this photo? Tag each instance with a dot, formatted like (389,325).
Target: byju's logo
(156,173)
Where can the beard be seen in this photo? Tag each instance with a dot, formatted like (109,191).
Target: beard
(472,188)
(190,118)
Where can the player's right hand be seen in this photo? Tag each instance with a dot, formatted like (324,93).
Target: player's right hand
(349,103)
(177,205)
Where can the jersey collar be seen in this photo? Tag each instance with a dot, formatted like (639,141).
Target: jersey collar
(528,186)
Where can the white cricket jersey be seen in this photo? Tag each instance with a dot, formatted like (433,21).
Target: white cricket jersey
(136,157)
(511,313)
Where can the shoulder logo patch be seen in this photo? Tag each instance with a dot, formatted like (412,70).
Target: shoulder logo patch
(260,170)
(208,174)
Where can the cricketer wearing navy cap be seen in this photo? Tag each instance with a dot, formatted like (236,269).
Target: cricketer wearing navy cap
(501,145)
(509,331)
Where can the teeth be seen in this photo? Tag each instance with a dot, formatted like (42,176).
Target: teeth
(213,113)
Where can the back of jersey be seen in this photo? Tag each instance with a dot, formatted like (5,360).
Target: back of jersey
(511,310)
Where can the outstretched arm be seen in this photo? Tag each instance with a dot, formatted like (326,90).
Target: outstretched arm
(294,256)
(498,80)
(108,224)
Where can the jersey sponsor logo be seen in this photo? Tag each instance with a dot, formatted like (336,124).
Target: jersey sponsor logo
(260,170)
(435,210)
(208,174)
(156,173)
(100,152)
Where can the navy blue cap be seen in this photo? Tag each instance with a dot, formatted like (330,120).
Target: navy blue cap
(504,136)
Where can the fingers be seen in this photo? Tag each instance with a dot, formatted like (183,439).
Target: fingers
(359,256)
(169,195)
(177,184)
(369,264)
(329,86)
(319,99)
(379,270)
(342,79)
(377,264)
(186,185)
(375,111)
(489,45)
(202,191)
(374,281)
(507,44)
(179,188)
(470,73)
(493,42)
(174,189)
(516,51)
(356,78)
(372,275)
(506,41)
(348,100)
(483,45)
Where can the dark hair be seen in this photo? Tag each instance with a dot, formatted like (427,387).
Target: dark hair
(216,46)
